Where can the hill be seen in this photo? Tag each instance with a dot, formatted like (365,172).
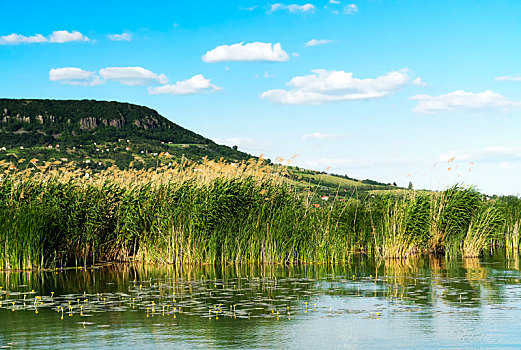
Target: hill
(100,133)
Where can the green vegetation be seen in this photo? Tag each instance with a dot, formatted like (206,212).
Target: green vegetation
(96,135)
(223,213)
(119,182)
(99,132)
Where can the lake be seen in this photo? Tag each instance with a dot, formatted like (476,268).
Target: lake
(423,303)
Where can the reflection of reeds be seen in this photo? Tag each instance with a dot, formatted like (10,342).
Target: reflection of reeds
(399,271)
(475,271)
(437,263)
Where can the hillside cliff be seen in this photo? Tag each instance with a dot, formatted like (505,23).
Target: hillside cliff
(83,129)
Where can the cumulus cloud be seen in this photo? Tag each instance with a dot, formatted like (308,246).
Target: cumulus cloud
(330,86)
(63,36)
(315,42)
(463,101)
(120,37)
(255,51)
(350,9)
(493,154)
(132,76)
(293,8)
(59,36)
(196,84)
(335,2)
(508,78)
(13,39)
(74,76)
(321,136)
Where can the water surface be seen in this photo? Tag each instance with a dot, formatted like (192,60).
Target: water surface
(424,303)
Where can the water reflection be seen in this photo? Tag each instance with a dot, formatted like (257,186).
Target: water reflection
(240,306)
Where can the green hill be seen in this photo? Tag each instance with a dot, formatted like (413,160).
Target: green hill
(98,132)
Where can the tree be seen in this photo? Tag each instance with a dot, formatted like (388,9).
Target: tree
(410,186)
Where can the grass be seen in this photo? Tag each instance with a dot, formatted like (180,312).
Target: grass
(54,215)
(482,228)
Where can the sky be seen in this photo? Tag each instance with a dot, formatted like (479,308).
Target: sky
(427,92)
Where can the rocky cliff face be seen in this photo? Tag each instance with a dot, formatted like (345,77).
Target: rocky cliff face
(6,117)
(88,123)
(86,120)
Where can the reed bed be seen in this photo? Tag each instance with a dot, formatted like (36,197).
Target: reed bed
(55,215)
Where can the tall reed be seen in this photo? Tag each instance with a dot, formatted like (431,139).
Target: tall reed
(484,224)
(451,214)
(217,212)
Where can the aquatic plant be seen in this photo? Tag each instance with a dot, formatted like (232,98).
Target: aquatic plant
(54,215)
(483,226)
(400,225)
(510,206)
(452,212)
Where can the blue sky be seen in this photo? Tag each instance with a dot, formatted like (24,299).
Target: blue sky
(420,91)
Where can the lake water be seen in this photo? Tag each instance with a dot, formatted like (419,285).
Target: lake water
(425,303)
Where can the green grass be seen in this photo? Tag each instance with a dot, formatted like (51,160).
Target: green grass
(52,223)
(329,180)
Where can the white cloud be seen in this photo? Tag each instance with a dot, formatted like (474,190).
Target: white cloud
(315,42)
(320,136)
(63,36)
(120,37)
(350,9)
(132,76)
(330,86)
(463,101)
(494,154)
(74,76)
(419,82)
(60,36)
(196,84)
(508,78)
(334,2)
(235,141)
(293,8)
(255,51)
(13,39)
(350,163)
